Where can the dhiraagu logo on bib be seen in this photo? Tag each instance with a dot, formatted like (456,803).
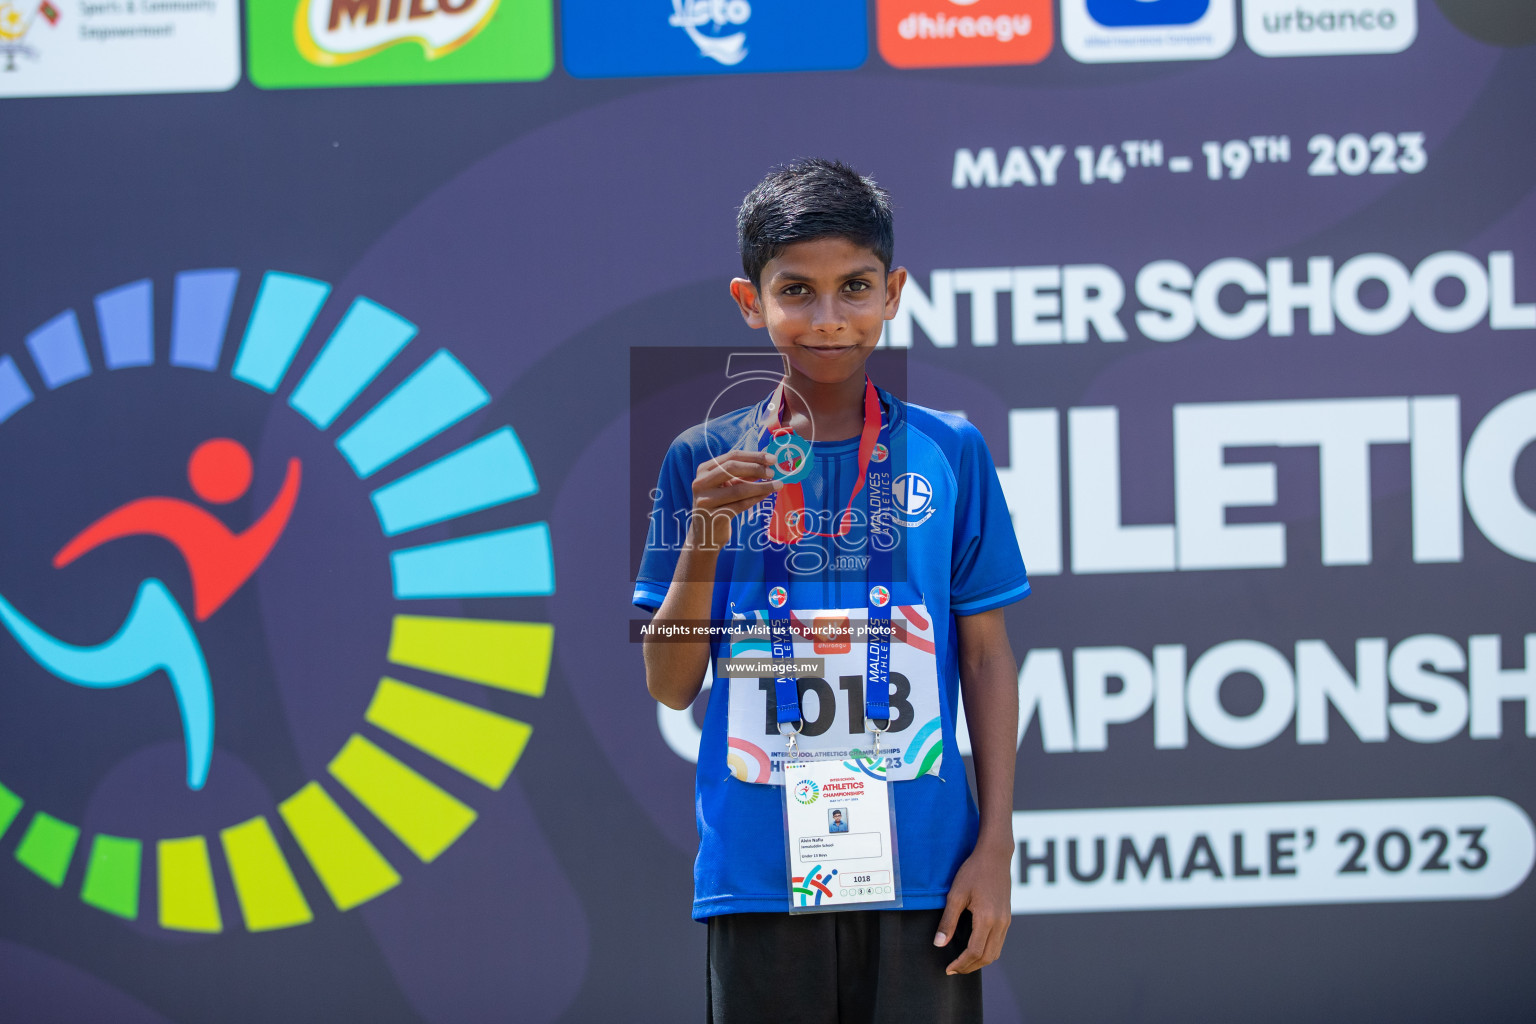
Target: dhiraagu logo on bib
(317,43)
(220,689)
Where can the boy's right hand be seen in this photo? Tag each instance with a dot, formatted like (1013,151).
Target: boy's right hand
(727,486)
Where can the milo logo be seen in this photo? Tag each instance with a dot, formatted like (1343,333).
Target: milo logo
(342,31)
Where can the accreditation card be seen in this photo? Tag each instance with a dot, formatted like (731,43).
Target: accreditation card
(841,832)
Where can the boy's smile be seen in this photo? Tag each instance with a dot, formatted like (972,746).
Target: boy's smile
(824,303)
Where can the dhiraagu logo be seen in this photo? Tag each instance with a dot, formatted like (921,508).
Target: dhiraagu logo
(132,560)
(311,43)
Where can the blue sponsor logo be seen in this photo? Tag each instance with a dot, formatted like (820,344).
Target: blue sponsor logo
(603,39)
(1121,13)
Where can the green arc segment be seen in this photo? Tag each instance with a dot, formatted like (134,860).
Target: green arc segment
(112,876)
(47,847)
(10,806)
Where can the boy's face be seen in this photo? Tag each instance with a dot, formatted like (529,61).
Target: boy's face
(824,303)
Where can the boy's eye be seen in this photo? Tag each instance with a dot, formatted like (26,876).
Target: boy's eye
(797,289)
(857,286)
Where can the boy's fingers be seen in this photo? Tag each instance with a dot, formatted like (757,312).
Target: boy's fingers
(950,919)
(973,957)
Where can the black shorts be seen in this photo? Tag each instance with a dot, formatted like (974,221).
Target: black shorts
(849,967)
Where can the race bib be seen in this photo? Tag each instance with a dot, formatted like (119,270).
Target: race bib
(832,702)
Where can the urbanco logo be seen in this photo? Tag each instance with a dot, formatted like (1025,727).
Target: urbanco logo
(1304,28)
(440,729)
(317,43)
(964,33)
(1108,31)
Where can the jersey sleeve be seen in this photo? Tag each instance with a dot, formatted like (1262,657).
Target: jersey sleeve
(988,569)
(667,526)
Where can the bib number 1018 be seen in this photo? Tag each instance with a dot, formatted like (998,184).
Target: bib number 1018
(819,715)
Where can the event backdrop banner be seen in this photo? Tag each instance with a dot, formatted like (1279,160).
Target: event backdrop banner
(324,488)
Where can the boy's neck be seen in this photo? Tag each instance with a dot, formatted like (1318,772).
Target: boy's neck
(828,412)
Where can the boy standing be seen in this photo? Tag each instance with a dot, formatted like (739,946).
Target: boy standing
(913,496)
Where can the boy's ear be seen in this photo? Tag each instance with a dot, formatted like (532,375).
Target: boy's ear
(749,301)
(893,285)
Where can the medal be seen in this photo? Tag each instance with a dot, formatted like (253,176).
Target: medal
(791,455)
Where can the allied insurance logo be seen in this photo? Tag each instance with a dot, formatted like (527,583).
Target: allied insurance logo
(321,840)
(313,43)
(603,39)
(964,33)
(1107,31)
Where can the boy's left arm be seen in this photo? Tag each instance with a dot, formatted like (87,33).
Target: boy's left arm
(989,686)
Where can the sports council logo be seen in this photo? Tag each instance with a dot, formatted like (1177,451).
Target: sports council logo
(1109,31)
(408,731)
(603,39)
(777,596)
(15,26)
(806,791)
(314,43)
(105,47)
(912,496)
(711,25)
(880,453)
(879,596)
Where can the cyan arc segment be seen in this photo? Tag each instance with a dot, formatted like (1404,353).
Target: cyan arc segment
(156,635)
(365,342)
(58,351)
(200,317)
(125,318)
(286,308)
(440,393)
(484,473)
(518,562)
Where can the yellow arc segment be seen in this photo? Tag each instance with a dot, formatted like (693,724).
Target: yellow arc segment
(421,815)
(351,868)
(269,896)
(507,655)
(481,744)
(187,899)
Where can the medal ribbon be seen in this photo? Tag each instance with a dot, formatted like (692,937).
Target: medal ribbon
(877,578)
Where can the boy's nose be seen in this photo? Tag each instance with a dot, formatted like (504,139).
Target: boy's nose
(827,316)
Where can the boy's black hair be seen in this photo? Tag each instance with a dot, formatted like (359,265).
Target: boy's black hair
(810,199)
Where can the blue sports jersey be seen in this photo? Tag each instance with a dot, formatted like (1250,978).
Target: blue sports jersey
(956,553)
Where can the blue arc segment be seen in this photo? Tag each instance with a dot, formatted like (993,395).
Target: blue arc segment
(156,635)
(126,318)
(58,351)
(491,471)
(505,563)
(286,307)
(201,317)
(439,394)
(365,341)
(14,393)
